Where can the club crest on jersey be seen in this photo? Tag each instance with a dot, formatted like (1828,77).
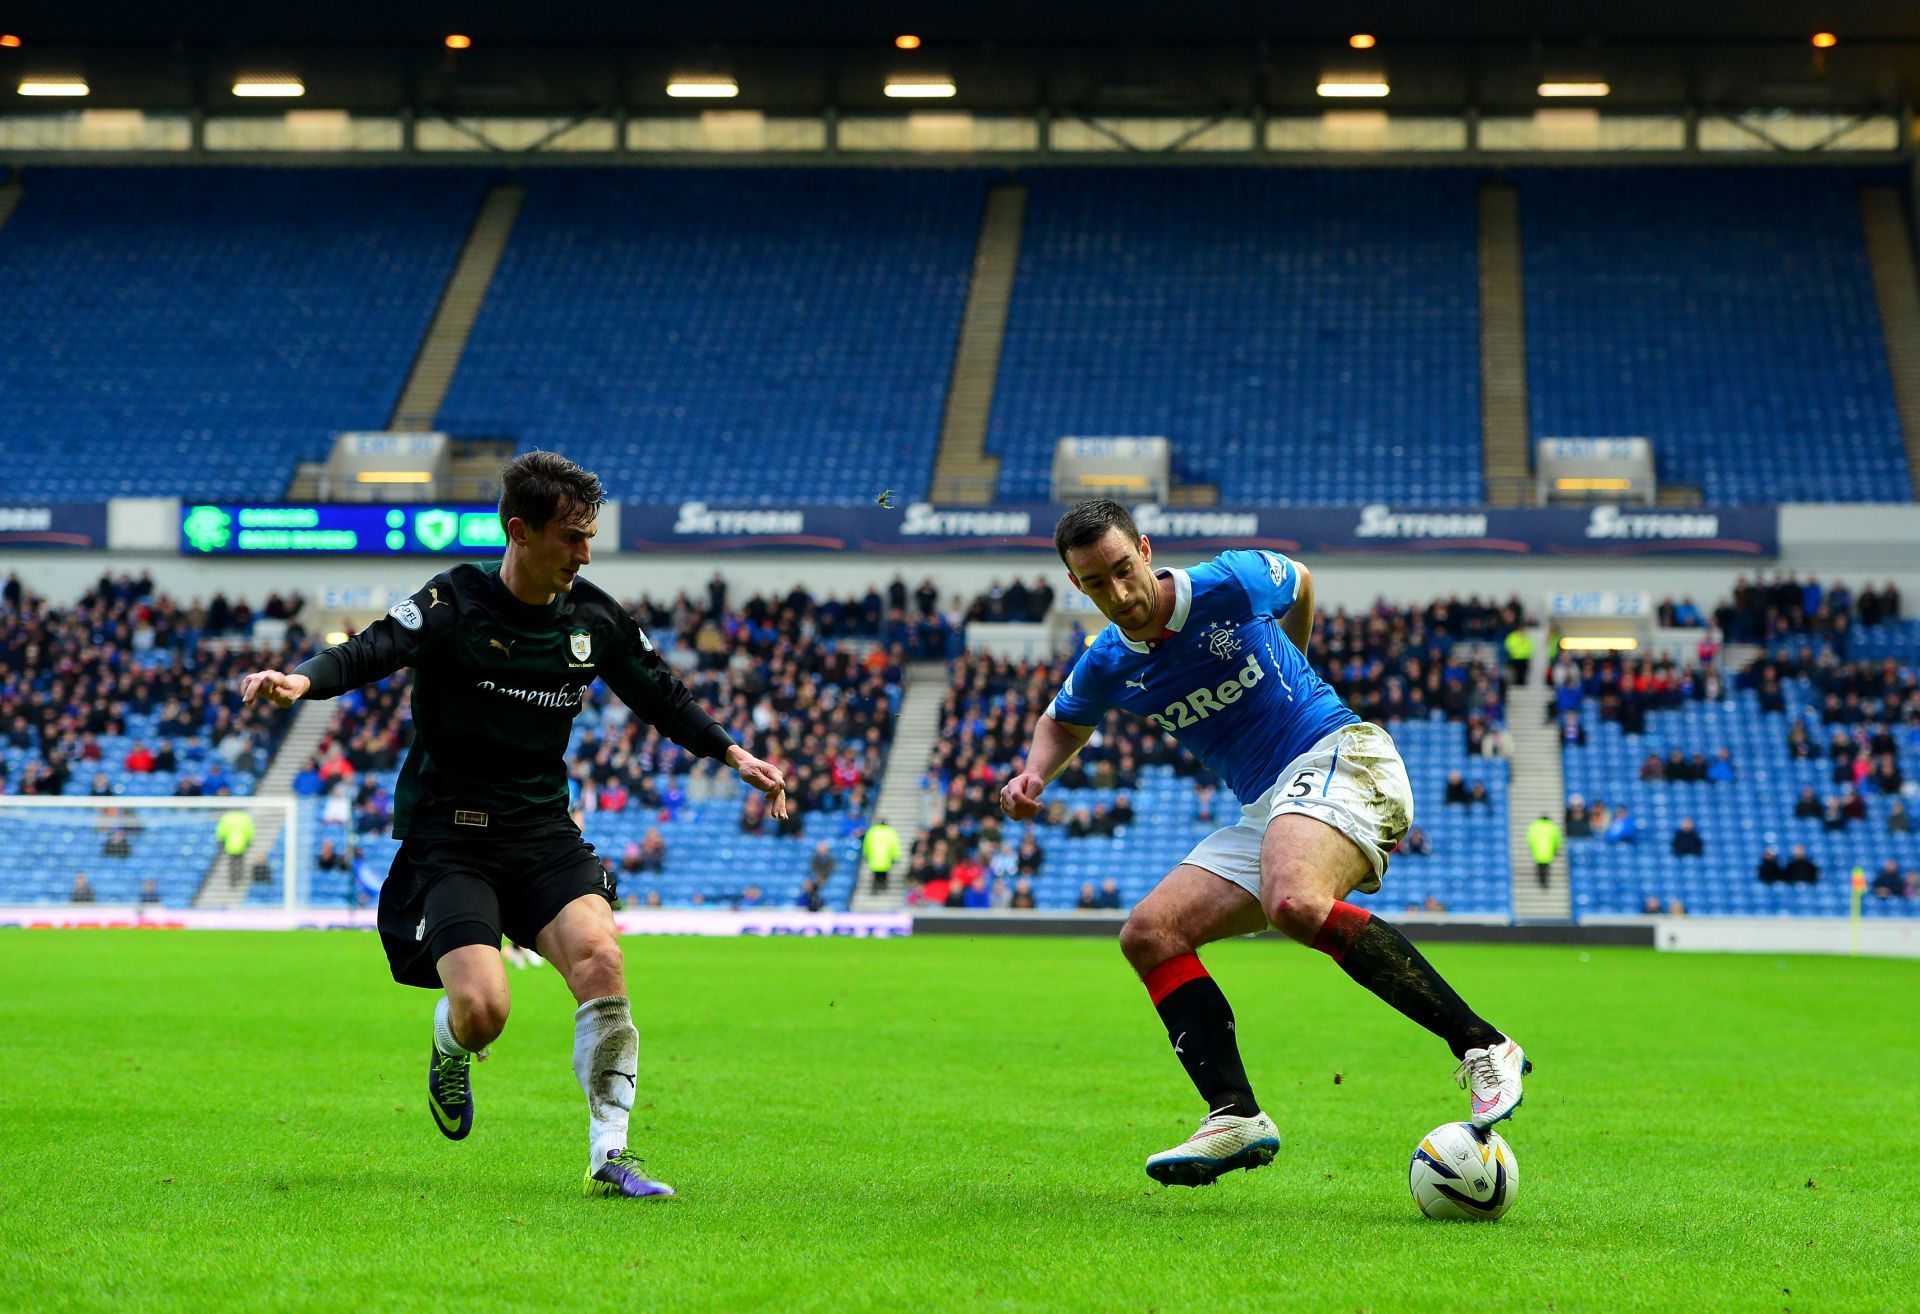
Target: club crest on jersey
(1222,642)
(580,644)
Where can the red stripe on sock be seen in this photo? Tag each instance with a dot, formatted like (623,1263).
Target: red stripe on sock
(1169,976)
(1344,923)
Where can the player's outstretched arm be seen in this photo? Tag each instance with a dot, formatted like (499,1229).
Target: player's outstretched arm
(1054,744)
(274,687)
(397,639)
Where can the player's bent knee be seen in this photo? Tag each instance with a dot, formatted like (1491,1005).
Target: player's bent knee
(1148,940)
(479,1017)
(1298,914)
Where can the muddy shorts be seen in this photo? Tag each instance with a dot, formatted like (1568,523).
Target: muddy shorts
(1353,780)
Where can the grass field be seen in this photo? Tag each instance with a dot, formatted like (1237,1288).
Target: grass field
(203,1120)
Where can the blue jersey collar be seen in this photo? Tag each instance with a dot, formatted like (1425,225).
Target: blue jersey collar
(1182,604)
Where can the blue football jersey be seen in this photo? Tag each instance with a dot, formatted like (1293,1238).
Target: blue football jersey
(1224,680)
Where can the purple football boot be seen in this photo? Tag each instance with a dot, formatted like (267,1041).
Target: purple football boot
(621,1175)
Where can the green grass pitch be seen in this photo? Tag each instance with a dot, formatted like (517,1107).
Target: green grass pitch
(196,1121)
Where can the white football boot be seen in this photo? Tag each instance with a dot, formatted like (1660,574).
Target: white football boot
(1223,1143)
(1492,1078)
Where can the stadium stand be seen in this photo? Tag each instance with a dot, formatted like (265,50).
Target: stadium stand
(126,693)
(752,336)
(1133,804)
(1300,335)
(803,682)
(1727,314)
(167,320)
(1817,747)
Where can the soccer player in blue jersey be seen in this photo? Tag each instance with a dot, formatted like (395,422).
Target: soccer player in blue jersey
(1216,657)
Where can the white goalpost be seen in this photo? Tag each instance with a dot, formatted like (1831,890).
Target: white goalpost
(138,851)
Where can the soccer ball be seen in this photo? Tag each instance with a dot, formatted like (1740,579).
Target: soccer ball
(1461,1171)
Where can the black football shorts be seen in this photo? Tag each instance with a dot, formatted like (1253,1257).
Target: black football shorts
(445,893)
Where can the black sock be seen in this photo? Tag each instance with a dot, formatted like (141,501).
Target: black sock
(1380,958)
(1199,1022)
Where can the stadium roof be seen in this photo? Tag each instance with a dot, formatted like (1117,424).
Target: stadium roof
(1082,56)
(1057,23)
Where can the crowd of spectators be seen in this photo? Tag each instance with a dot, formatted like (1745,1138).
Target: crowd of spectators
(1406,663)
(1850,693)
(1763,610)
(1015,601)
(128,682)
(968,849)
(1625,689)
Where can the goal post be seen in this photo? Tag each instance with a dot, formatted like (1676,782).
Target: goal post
(162,851)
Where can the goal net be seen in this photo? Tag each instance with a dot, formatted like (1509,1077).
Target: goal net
(126,852)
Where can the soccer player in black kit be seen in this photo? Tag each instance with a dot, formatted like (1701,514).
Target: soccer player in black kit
(502,654)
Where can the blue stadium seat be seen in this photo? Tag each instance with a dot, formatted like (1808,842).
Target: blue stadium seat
(166,319)
(740,335)
(1736,819)
(1727,314)
(1301,335)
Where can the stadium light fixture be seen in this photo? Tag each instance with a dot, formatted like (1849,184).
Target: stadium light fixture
(54,87)
(458,41)
(906,41)
(1574,89)
(703,88)
(1593,483)
(1361,41)
(1599,643)
(1825,40)
(1353,90)
(9,40)
(269,88)
(920,88)
(335,637)
(394,477)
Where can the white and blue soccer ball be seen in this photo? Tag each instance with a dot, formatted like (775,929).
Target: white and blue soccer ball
(1461,1171)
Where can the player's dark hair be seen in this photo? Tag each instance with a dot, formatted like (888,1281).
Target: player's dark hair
(1089,522)
(537,486)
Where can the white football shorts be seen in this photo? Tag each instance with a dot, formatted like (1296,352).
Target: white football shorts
(1353,780)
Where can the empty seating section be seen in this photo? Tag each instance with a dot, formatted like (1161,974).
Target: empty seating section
(1737,820)
(1898,640)
(1301,335)
(44,851)
(125,694)
(736,335)
(1838,660)
(816,695)
(1727,314)
(1466,870)
(197,332)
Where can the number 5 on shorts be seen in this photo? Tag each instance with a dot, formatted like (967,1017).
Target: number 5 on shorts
(1303,782)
